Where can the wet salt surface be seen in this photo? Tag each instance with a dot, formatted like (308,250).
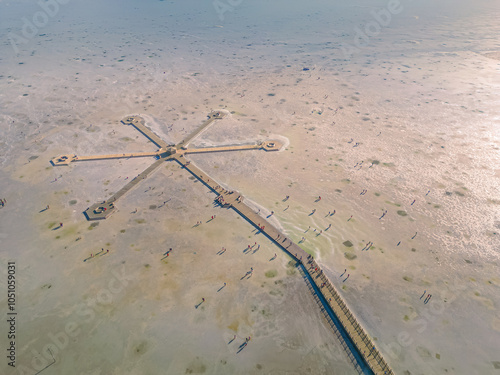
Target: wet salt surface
(422,108)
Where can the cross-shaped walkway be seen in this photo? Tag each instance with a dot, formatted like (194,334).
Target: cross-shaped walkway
(368,359)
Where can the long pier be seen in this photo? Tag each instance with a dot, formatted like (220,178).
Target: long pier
(117,156)
(361,349)
(212,117)
(100,211)
(67,159)
(367,358)
(138,123)
(267,146)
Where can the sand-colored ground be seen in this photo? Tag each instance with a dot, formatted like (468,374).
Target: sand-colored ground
(423,115)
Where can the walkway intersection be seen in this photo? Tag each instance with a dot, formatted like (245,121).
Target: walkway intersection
(366,358)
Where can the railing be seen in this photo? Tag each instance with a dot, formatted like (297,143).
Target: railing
(353,332)
(334,328)
(380,366)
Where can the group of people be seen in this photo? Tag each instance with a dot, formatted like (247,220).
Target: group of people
(102,252)
(222,190)
(367,246)
(220,200)
(250,247)
(249,273)
(343,275)
(427,299)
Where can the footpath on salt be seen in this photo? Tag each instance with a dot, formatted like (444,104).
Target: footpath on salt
(416,132)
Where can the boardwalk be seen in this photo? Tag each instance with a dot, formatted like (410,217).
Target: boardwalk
(66,159)
(359,340)
(267,146)
(365,356)
(212,117)
(117,156)
(138,123)
(102,210)
(99,211)
(164,153)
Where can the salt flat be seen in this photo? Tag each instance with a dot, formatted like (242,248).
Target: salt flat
(411,118)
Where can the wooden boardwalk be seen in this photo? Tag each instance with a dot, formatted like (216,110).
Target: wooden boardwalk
(212,117)
(267,146)
(365,347)
(221,149)
(164,153)
(117,156)
(365,356)
(138,123)
(66,159)
(102,210)
(136,180)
